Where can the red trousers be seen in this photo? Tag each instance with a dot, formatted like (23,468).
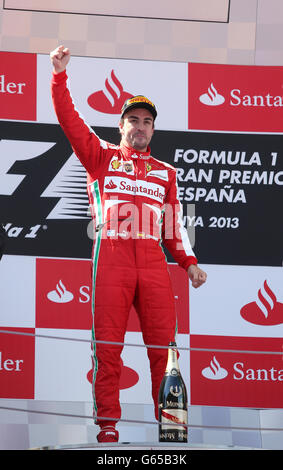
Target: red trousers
(125,273)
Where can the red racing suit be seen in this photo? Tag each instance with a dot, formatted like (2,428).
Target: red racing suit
(134,204)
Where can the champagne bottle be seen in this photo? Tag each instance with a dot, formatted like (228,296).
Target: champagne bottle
(173,402)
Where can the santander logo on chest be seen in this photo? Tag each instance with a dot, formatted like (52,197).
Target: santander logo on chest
(117,184)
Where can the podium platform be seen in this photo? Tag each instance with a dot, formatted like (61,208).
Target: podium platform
(142,446)
(50,425)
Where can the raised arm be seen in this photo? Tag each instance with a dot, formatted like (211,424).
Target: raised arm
(85,143)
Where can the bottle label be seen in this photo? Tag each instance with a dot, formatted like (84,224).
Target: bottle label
(176,390)
(169,419)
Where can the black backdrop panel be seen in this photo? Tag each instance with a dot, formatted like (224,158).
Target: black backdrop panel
(239,209)
(231,182)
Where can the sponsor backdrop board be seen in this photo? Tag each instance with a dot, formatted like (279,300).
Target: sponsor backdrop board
(45,352)
(18,86)
(237,378)
(235,98)
(230,186)
(220,127)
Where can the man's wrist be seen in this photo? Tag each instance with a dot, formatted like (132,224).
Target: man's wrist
(58,71)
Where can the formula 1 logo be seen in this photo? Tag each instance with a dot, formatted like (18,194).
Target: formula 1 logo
(43,195)
(13,151)
(69,184)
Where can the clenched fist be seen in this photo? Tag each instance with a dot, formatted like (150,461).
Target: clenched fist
(196,275)
(60,58)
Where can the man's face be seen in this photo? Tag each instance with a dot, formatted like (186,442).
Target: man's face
(137,128)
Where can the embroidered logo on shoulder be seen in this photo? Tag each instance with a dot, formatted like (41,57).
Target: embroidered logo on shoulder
(115,164)
(128,167)
(121,165)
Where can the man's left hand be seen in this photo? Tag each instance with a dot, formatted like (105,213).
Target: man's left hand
(196,275)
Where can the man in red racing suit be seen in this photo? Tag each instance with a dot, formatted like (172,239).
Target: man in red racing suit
(134,204)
